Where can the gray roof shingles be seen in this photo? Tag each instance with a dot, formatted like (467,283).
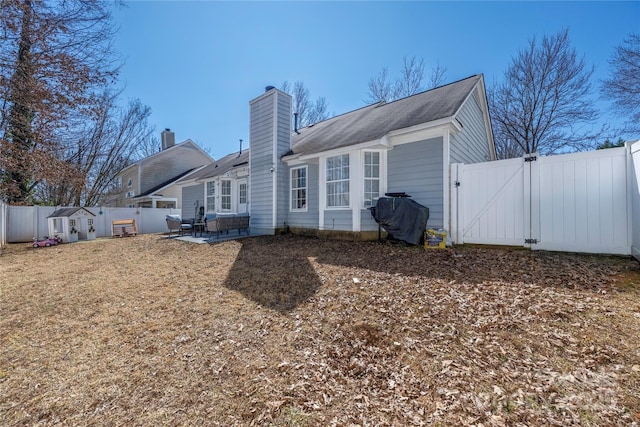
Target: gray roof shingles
(66,212)
(374,121)
(221,166)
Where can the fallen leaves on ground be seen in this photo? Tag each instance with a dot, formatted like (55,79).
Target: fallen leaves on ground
(294,331)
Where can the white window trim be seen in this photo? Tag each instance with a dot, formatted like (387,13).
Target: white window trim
(382,174)
(306,188)
(350,180)
(207,197)
(246,192)
(222,195)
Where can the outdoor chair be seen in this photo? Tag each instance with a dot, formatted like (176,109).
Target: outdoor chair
(179,225)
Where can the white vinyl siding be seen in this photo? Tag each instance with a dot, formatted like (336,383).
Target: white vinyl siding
(299,189)
(338,181)
(371,177)
(225,195)
(211,196)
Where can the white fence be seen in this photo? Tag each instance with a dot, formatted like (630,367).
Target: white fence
(23,223)
(579,202)
(635,200)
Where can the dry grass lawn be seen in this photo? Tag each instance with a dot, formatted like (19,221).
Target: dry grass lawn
(293,331)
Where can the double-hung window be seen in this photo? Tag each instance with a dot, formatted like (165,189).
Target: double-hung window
(211,196)
(371,177)
(338,181)
(225,195)
(299,189)
(242,193)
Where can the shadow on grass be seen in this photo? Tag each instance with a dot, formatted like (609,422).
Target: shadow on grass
(275,271)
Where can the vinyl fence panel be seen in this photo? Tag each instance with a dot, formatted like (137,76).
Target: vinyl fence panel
(26,222)
(583,202)
(635,199)
(578,202)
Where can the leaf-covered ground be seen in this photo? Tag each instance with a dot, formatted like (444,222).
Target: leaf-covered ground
(293,331)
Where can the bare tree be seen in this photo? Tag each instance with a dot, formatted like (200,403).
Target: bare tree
(309,112)
(411,75)
(543,105)
(382,88)
(101,147)
(53,55)
(623,85)
(438,76)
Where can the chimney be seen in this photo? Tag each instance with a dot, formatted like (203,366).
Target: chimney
(168,139)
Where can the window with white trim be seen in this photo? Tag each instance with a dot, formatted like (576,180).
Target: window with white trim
(338,181)
(371,177)
(242,193)
(299,189)
(225,195)
(211,196)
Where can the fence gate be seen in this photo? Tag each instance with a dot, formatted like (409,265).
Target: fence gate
(489,202)
(578,202)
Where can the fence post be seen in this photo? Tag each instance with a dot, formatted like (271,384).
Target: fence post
(3,223)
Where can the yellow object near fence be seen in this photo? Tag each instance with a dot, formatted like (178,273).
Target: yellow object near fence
(435,239)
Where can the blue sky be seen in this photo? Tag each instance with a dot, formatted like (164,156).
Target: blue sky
(197,64)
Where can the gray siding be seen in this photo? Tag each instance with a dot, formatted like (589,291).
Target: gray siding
(470,145)
(307,219)
(191,195)
(284,145)
(338,220)
(264,117)
(416,169)
(367,223)
(169,164)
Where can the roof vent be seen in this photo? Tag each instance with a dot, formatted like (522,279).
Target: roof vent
(268,88)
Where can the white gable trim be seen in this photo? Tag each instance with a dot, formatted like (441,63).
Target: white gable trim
(484,106)
(420,132)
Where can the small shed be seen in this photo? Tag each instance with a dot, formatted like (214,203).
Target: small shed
(72,224)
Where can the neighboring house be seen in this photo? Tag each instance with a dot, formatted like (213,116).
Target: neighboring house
(221,187)
(323,178)
(150,182)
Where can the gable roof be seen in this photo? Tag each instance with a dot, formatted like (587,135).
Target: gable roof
(222,166)
(374,121)
(163,153)
(66,212)
(165,184)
